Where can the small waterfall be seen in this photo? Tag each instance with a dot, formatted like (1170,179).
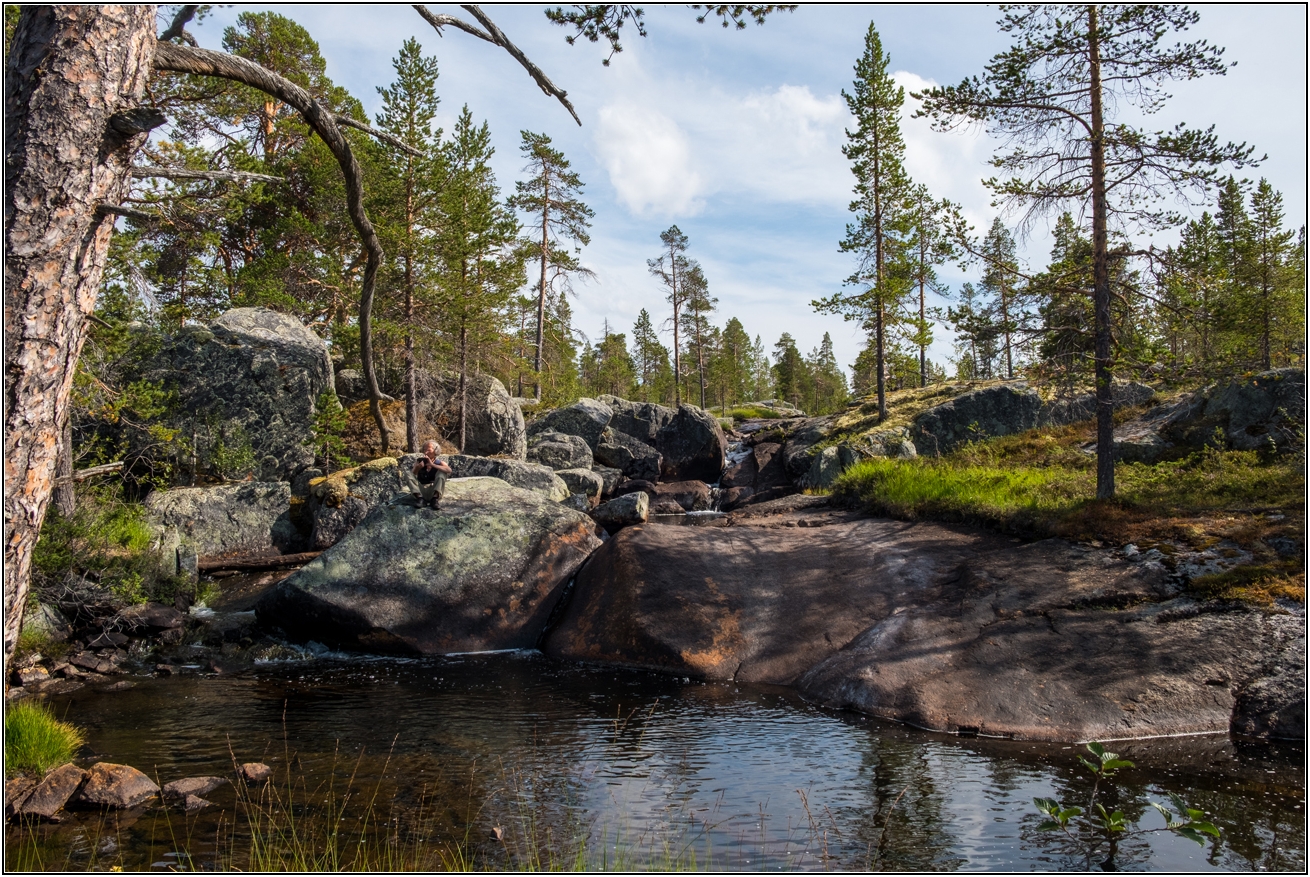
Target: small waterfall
(737,452)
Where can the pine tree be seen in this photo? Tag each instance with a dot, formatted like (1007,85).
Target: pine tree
(672,267)
(1001,281)
(732,366)
(877,152)
(928,245)
(550,197)
(650,358)
(407,221)
(789,373)
(1049,95)
(976,333)
(696,321)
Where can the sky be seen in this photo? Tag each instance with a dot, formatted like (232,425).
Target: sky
(736,136)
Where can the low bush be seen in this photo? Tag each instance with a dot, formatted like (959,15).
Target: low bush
(35,741)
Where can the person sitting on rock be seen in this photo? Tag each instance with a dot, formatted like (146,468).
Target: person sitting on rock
(431,472)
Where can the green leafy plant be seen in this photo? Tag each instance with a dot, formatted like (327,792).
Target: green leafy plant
(1099,826)
(35,741)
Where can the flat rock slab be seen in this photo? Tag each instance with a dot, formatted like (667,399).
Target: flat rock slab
(483,572)
(51,794)
(941,627)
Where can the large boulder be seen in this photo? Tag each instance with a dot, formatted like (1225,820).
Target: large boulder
(482,572)
(247,383)
(340,501)
(50,795)
(585,418)
(248,518)
(625,511)
(631,456)
(640,420)
(529,476)
(691,496)
(1265,412)
(494,424)
(119,786)
(798,449)
(1072,409)
(559,450)
(942,627)
(1004,409)
(693,446)
(585,482)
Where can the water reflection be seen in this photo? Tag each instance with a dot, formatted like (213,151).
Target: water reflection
(505,751)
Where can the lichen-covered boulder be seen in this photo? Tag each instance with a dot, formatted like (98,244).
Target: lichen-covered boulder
(559,450)
(248,518)
(626,511)
(250,379)
(693,446)
(583,481)
(828,464)
(338,502)
(1123,394)
(1004,409)
(609,476)
(798,449)
(631,456)
(494,421)
(1265,412)
(529,476)
(482,572)
(585,418)
(640,420)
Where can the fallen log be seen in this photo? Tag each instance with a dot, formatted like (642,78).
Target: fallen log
(83,474)
(262,562)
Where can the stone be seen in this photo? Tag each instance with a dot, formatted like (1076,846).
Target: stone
(734,497)
(118,786)
(151,617)
(559,450)
(631,456)
(1123,394)
(579,502)
(666,507)
(633,485)
(639,420)
(769,466)
(338,502)
(528,476)
(586,418)
(248,518)
(693,446)
(1265,412)
(625,511)
(942,627)
(178,790)
(47,621)
(53,792)
(1004,409)
(192,803)
(691,496)
(797,450)
(255,773)
(743,474)
(350,386)
(32,676)
(493,420)
(1273,707)
(250,379)
(17,790)
(609,476)
(482,572)
(583,481)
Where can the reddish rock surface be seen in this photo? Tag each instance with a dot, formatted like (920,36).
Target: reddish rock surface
(116,785)
(941,627)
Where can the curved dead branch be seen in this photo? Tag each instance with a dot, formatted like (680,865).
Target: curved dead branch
(177,173)
(205,62)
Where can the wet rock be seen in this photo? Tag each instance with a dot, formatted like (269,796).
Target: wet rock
(178,790)
(559,451)
(17,790)
(1000,410)
(942,627)
(255,773)
(118,786)
(585,482)
(693,446)
(769,465)
(528,476)
(633,485)
(248,518)
(610,478)
(734,497)
(742,474)
(666,507)
(1273,707)
(586,418)
(255,372)
(482,572)
(631,456)
(53,792)
(625,511)
(192,803)
(691,496)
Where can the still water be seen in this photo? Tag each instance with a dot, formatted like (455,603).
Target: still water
(503,753)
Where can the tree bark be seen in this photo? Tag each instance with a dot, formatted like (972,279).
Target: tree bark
(541,291)
(70,70)
(65,494)
(1100,276)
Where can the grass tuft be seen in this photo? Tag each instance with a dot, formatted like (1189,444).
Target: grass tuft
(35,741)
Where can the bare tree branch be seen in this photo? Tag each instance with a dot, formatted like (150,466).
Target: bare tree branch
(385,138)
(176,29)
(129,212)
(204,62)
(83,474)
(496,36)
(176,173)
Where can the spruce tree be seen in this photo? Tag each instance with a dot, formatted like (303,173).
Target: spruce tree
(1268,247)
(928,245)
(696,322)
(1053,95)
(1001,281)
(877,154)
(550,198)
(650,358)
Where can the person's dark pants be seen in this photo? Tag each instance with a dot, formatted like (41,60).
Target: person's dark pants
(431,493)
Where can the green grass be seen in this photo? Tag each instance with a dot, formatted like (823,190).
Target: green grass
(35,741)
(754,412)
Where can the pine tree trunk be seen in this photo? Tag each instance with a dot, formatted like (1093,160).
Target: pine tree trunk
(70,70)
(463,382)
(65,495)
(411,372)
(677,362)
(541,291)
(1100,277)
(923,351)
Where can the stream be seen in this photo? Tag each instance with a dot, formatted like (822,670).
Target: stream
(513,753)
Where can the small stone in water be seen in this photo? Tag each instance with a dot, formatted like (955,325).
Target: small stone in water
(256,772)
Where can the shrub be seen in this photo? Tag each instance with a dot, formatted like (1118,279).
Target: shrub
(35,741)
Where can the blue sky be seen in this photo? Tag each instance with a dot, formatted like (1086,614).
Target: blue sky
(736,136)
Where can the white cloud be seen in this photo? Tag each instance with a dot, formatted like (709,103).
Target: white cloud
(649,161)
